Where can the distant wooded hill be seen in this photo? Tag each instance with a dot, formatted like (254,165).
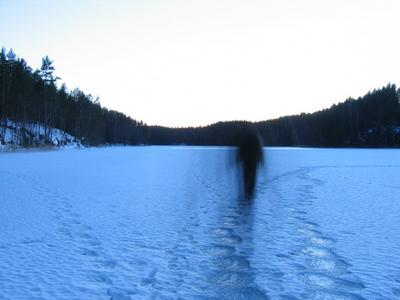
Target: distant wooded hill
(29,95)
(369,121)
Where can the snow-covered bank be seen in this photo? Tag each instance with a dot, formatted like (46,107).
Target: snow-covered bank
(17,135)
(167,223)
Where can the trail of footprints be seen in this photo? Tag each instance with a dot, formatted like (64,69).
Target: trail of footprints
(82,240)
(228,270)
(324,273)
(225,266)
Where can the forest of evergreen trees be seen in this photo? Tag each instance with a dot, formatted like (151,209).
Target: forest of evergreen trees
(28,95)
(369,121)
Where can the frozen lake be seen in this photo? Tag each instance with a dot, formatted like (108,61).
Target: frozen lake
(168,223)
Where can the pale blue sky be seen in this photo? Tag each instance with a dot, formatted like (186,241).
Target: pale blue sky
(184,62)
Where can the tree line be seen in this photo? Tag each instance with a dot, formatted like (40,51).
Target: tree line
(30,96)
(369,121)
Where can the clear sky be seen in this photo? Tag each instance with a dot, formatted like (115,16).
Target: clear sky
(185,62)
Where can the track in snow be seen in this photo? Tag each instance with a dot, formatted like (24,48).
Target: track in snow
(169,223)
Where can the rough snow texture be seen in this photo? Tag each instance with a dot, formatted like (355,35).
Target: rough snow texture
(168,223)
(18,135)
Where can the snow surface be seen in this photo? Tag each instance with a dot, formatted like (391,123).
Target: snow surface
(12,136)
(168,223)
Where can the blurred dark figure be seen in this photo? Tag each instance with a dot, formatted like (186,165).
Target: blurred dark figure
(250,155)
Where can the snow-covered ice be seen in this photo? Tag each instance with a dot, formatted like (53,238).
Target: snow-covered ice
(168,223)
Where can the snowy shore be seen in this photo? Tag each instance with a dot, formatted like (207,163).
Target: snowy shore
(25,135)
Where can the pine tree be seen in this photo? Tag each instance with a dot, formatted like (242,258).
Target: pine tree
(49,79)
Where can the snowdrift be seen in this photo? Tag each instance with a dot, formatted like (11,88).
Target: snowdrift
(33,134)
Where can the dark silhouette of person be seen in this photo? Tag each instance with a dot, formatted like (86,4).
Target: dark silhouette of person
(250,155)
